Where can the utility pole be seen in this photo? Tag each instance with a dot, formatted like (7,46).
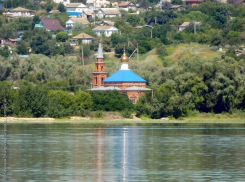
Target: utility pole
(82,56)
(228,18)
(137,52)
(194,24)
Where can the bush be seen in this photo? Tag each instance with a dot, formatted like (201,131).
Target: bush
(126,113)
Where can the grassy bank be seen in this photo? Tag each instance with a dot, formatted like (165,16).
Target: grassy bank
(81,120)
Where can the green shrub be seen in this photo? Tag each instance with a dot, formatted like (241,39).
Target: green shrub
(127,114)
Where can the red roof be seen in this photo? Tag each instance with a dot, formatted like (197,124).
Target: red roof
(194,1)
(52,24)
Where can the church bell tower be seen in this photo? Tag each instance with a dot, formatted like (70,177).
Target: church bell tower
(99,75)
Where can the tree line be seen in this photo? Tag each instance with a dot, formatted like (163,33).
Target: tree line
(30,100)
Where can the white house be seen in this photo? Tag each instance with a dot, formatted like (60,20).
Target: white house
(97,4)
(88,14)
(17,12)
(72,21)
(125,5)
(85,38)
(108,12)
(65,2)
(75,8)
(185,24)
(107,30)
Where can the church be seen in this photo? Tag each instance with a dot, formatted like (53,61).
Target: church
(124,80)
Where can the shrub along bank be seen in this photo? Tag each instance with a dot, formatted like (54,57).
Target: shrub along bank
(39,101)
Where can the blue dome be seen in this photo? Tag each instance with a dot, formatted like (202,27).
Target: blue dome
(124,76)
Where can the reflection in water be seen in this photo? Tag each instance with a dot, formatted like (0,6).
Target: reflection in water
(67,152)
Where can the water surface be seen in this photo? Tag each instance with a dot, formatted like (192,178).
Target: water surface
(161,152)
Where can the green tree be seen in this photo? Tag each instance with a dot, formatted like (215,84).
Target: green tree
(22,48)
(61,36)
(61,7)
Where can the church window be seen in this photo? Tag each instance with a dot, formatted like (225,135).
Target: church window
(133,100)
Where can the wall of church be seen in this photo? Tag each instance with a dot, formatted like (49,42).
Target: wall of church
(124,85)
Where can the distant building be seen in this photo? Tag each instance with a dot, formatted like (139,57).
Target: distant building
(107,30)
(88,14)
(49,25)
(65,2)
(193,2)
(85,38)
(97,4)
(124,80)
(75,8)
(177,7)
(72,21)
(185,24)
(108,13)
(17,12)
(53,12)
(125,5)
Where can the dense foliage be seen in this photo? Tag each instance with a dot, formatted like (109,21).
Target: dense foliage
(216,86)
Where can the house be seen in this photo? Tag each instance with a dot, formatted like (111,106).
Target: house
(106,23)
(65,2)
(53,12)
(49,24)
(88,14)
(72,21)
(185,24)
(75,8)
(2,41)
(10,41)
(238,52)
(97,4)
(107,30)
(85,38)
(108,12)
(124,80)
(126,5)
(177,7)
(193,2)
(17,12)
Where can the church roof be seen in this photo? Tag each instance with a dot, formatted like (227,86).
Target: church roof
(124,76)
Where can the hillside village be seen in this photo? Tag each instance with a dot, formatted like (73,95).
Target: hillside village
(183,49)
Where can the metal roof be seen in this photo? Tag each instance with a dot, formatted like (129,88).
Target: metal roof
(74,13)
(135,88)
(102,88)
(100,53)
(124,76)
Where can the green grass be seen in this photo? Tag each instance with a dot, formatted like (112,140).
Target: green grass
(176,53)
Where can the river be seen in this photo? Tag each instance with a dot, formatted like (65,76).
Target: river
(114,153)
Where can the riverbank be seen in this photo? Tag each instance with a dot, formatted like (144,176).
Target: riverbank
(87,120)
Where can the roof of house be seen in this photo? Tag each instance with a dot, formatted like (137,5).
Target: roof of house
(89,12)
(124,3)
(54,11)
(176,6)
(102,27)
(74,5)
(110,11)
(83,36)
(80,20)
(20,9)
(188,23)
(124,76)
(194,1)
(52,24)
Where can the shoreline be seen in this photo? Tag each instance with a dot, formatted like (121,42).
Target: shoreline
(87,120)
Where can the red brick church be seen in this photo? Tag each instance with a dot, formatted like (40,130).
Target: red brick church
(124,80)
